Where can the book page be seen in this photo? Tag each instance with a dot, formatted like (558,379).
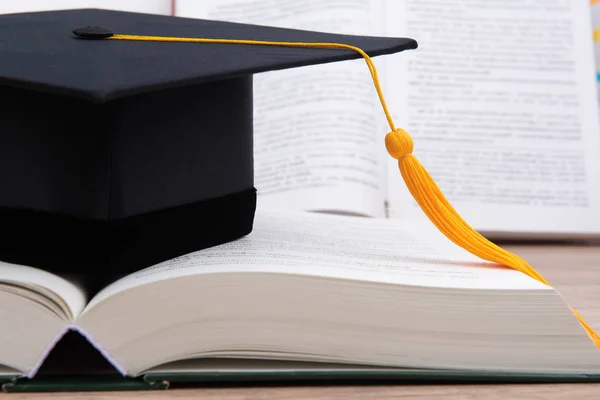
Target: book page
(500,98)
(342,247)
(8,372)
(145,6)
(318,141)
(44,284)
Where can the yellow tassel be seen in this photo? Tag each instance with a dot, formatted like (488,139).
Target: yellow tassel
(440,212)
(434,204)
(399,145)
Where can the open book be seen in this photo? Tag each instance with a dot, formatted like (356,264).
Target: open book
(305,287)
(500,99)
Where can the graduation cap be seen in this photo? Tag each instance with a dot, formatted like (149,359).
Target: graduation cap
(116,155)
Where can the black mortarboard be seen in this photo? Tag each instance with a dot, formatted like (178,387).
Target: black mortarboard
(115,155)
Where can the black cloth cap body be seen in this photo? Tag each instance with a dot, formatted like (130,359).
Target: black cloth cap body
(116,155)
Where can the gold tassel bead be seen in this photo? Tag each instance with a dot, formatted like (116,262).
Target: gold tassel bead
(399,143)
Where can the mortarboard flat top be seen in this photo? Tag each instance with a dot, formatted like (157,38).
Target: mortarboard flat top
(115,155)
(40,52)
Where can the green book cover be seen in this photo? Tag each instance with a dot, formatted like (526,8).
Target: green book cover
(245,372)
(220,371)
(92,384)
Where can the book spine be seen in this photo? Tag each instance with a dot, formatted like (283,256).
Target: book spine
(33,371)
(98,347)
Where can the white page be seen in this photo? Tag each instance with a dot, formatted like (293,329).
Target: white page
(333,246)
(500,98)
(318,139)
(70,293)
(8,372)
(144,6)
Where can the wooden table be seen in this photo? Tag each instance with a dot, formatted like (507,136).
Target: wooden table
(573,270)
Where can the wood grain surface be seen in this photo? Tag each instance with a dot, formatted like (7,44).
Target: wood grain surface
(573,270)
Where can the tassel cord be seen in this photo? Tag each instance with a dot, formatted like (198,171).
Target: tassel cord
(365,56)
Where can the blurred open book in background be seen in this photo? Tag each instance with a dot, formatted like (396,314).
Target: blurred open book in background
(500,99)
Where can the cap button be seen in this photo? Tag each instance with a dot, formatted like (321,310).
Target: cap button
(92,32)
